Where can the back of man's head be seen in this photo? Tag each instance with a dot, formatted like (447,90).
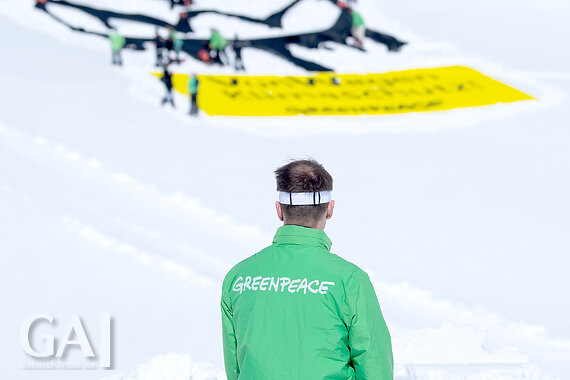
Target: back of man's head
(303,176)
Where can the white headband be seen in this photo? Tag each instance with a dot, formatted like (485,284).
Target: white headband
(304,199)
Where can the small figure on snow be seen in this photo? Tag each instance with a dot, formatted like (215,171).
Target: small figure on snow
(237,45)
(217,46)
(117,44)
(160,46)
(193,85)
(358,29)
(167,80)
(174,43)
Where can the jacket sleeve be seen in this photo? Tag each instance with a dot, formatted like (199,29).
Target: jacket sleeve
(228,337)
(368,336)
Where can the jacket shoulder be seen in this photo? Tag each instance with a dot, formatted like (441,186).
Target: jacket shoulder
(347,267)
(240,266)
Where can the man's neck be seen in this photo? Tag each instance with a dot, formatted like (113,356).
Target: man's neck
(318,226)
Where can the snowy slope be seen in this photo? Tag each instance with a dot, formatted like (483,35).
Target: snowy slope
(111,204)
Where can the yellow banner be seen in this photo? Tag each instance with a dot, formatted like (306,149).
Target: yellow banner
(326,93)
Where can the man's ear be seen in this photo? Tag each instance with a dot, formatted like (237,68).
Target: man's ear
(279,210)
(330,209)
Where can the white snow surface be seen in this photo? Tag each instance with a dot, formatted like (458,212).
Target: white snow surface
(111,204)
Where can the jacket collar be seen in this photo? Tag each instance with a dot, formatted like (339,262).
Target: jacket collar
(291,234)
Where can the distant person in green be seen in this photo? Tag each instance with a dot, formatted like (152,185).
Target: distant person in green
(217,45)
(176,42)
(358,29)
(117,44)
(193,84)
(295,310)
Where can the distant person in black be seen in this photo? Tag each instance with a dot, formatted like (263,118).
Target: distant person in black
(169,43)
(237,45)
(160,46)
(167,80)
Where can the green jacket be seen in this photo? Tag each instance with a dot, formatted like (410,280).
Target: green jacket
(173,36)
(193,85)
(217,41)
(117,41)
(296,311)
(357,19)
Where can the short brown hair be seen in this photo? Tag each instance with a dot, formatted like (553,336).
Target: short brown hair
(303,176)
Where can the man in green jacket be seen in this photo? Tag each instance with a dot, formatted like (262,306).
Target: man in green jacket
(358,29)
(176,42)
(193,84)
(117,44)
(295,310)
(218,44)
